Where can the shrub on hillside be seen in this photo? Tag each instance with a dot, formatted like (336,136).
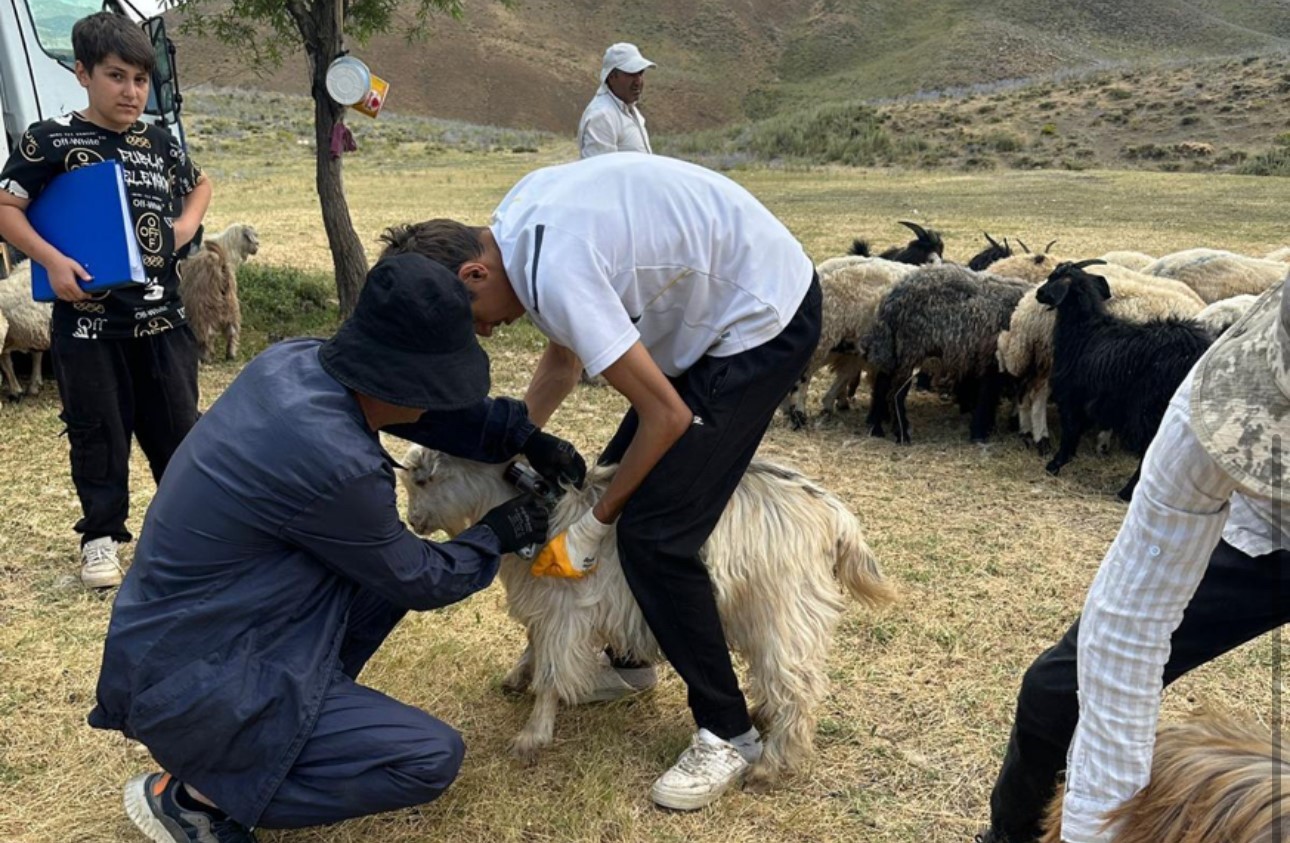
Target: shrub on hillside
(1274,162)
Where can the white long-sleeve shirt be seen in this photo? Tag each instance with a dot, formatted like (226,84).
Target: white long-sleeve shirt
(610,125)
(1184,503)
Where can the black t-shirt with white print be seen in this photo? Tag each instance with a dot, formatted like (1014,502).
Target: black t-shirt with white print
(158,174)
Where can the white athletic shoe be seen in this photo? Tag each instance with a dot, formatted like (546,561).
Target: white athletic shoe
(703,772)
(99,566)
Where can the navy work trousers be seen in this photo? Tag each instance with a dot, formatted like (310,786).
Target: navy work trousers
(368,753)
(674,511)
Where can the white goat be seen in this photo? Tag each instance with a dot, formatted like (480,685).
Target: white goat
(28,328)
(773,557)
(208,286)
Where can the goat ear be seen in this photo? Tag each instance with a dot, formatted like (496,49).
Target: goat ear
(1055,289)
(1102,286)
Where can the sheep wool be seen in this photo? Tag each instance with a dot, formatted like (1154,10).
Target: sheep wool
(28,322)
(1216,274)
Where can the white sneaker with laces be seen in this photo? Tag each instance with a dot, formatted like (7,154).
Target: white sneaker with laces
(99,566)
(703,772)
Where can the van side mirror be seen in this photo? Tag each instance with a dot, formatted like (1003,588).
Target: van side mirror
(164,100)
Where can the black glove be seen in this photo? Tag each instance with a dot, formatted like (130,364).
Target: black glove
(555,459)
(517,523)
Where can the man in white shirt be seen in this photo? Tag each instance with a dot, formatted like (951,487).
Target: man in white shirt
(1201,565)
(701,308)
(611,122)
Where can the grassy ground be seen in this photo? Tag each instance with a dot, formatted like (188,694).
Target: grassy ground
(992,555)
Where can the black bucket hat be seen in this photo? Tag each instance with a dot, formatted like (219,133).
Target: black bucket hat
(411,339)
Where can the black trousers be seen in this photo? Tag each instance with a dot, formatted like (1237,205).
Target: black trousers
(145,387)
(674,511)
(1240,598)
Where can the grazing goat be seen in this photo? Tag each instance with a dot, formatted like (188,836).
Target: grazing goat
(1108,373)
(994,252)
(926,247)
(1212,781)
(28,329)
(946,312)
(208,286)
(1026,348)
(772,557)
(852,288)
(1225,313)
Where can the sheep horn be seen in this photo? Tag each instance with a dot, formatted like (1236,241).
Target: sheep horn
(991,240)
(1050,245)
(916,228)
(1023,245)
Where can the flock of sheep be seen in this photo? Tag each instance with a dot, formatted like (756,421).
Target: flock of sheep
(208,286)
(1109,338)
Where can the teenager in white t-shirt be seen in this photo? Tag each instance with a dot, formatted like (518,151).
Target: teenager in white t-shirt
(700,307)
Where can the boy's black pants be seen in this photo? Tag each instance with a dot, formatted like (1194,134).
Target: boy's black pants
(674,511)
(1240,598)
(144,387)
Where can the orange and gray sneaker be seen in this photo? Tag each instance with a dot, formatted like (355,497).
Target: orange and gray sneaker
(152,802)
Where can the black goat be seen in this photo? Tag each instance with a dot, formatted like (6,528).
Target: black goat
(1109,374)
(926,247)
(990,254)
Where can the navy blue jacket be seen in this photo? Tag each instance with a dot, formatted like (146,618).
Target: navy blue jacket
(274,515)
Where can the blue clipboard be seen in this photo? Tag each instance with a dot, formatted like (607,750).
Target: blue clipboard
(85,214)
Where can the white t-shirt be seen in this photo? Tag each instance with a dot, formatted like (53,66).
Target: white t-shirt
(618,248)
(610,125)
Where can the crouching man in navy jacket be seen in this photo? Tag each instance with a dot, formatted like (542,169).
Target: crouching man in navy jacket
(273,563)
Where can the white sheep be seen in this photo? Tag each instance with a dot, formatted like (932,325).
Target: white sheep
(28,328)
(772,557)
(1224,313)
(852,287)
(1128,259)
(1025,349)
(1216,274)
(208,287)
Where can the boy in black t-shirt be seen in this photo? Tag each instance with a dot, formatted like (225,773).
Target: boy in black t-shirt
(125,360)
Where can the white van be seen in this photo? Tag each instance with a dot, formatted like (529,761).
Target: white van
(37,80)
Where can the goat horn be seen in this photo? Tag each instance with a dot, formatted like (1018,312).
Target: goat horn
(1050,245)
(991,240)
(1082,264)
(1023,245)
(916,228)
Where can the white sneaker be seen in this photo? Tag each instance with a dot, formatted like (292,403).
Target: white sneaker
(702,773)
(615,683)
(99,566)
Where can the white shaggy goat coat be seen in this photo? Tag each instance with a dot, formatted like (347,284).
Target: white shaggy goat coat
(208,287)
(1213,780)
(1216,274)
(773,558)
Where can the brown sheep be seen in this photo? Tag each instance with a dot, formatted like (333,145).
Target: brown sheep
(1211,780)
(208,286)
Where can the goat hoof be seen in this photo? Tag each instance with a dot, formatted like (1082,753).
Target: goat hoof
(1043,446)
(980,440)
(1054,468)
(760,779)
(1125,494)
(525,751)
(797,418)
(877,431)
(13,397)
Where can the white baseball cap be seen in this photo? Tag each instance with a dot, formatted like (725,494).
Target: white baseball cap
(625,57)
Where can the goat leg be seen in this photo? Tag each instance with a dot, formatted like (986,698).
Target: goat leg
(902,417)
(1126,493)
(519,678)
(878,397)
(10,376)
(37,379)
(986,408)
(1072,421)
(540,728)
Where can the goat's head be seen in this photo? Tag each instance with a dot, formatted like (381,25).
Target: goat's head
(990,254)
(1070,276)
(448,493)
(927,242)
(250,240)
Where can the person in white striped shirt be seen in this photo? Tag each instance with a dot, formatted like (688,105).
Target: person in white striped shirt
(1201,565)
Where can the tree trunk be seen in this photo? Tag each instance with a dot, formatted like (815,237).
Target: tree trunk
(347,255)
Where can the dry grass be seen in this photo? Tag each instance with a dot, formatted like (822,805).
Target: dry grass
(992,555)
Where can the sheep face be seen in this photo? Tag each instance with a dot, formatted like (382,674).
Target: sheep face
(250,241)
(443,495)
